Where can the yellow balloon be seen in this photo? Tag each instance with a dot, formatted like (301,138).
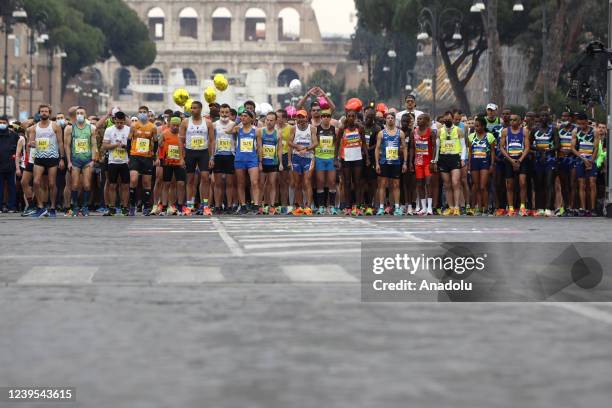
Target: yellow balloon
(180,96)
(188,103)
(220,82)
(210,95)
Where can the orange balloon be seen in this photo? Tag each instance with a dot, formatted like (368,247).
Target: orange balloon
(354,104)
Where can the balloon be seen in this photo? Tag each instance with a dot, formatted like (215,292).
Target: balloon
(188,105)
(295,86)
(241,110)
(323,103)
(210,94)
(291,111)
(354,104)
(220,82)
(381,107)
(180,96)
(265,108)
(258,109)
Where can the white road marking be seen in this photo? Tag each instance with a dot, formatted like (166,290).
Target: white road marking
(584,310)
(229,241)
(190,274)
(317,273)
(58,275)
(298,242)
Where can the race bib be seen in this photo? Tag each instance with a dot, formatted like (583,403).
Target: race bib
(224,145)
(173,152)
(352,153)
(246,145)
(269,151)
(81,146)
(392,153)
(120,153)
(197,142)
(327,142)
(142,145)
(449,145)
(42,144)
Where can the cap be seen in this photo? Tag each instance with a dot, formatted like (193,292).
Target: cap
(175,120)
(302,112)
(115,110)
(326,112)
(492,106)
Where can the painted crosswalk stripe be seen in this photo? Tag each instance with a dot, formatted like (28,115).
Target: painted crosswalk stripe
(58,275)
(189,274)
(317,273)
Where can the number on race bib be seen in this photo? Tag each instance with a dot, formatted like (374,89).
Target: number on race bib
(81,146)
(197,142)
(269,151)
(392,153)
(142,145)
(327,142)
(224,145)
(120,153)
(42,143)
(246,145)
(173,152)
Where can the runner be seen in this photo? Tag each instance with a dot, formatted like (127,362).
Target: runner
(223,162)
(115,142)
(303,141)
(410,108)
(390,142)
(408,180)
(371,131)
(351,148)
(286,179)
(272,148)
(585,145)
(449,154)
(324,165)
(81,149)
(173,161)
(420,161)
(46,136)
(495,126)
(515,148)
(196,134)
(566,165)
(315,107)
(546,139)
(464,202)
(481,164)
(143,136)
(248,160)
(25,152)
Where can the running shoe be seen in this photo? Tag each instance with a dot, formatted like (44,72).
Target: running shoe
(298,211)
(71,213)
(157,209)
(321,210)
(171,210)
(560,212)
(380,212)
(410,211)
(263,210)
(52,213)
(438,211)
(540,213)
(207,211)
(307,211)
(107,213)
(40,212)
(500,212)
(548,213)
(333,211)
(471,211)
(588,213)
(28,211)
(448,212)
(457,212)
(421,212)
(462,211)
(430,211)
(388,210)
(511,212)
(85,211)
(244,210)
(523,211)
(132,212)
(356,212)
(273,210)
(398,212)
(102,209)
(369,211)
(146,211)
(347,211)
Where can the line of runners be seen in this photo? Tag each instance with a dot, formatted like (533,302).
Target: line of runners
(369,162)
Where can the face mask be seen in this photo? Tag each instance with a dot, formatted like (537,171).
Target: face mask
(448,123)
(62,122)
(3,126)
(143,117)
(80,118)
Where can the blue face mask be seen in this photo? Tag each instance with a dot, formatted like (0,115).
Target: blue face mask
(62,122)
(3,126)
(80,118)
(143,117)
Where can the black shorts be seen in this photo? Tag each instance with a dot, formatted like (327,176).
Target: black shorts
(392,171)
(369,172)
(270,169)
(509,171)
(29,167)
(449,162)
(224,164)
(46,163)
(177,171)
(351,164)
(118,170)
(143,165)
(104,164)
(196,158)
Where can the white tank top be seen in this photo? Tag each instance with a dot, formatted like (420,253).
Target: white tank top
(224,142)
(303,138)
(46,142)
(196,136)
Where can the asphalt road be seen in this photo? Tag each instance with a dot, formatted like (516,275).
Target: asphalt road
(256,312)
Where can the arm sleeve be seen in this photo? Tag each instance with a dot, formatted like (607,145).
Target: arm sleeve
(463,149)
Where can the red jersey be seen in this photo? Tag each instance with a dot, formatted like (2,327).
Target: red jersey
(423,147)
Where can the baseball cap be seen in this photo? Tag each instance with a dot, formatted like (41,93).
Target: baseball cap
(326,112)
(302,112)
(492,106)
(175,120)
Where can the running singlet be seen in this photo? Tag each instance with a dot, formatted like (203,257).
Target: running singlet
(46,142)
(565,140)
(449,142)
(544,140)
(81,143)
(142,140)
(286,134)
(170,151)
(423,149)
(390,148)
(269,143)
(495,127)
(515,143)
(246,149)
(224,142)
(196,136)
(481,147)
(326,147)
(585,143)
(303,138)
(350,147)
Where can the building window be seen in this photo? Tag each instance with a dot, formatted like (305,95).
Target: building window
(288,25)
(255,25)
(222,25)
(188,22)
(156,23)
(190,77)
(17,48)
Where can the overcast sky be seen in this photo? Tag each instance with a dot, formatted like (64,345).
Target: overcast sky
(335,16)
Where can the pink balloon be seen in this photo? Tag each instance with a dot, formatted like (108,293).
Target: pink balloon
(291,111)
(323,103)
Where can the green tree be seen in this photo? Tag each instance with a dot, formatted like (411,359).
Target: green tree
(326,81)
(364,92)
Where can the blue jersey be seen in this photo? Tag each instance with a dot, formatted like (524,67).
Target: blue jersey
(246,145)
(515,143)
(585,143)
(544,140)
(269,143)
(389,147)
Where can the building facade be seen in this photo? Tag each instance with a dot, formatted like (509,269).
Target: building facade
(259,45)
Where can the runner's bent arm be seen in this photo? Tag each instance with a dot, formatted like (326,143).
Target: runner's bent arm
(94,143)
(60,140)
(526,144)
(377,148)
(211,138)
(68,143)
(313,138)
(503,143)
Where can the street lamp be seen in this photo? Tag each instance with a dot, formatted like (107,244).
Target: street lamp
(392,55)
(518,6)
(477,7)
(8,20)
(457,34)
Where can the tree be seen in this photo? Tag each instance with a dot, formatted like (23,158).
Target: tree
(364,92)
(364,46)
(326,81)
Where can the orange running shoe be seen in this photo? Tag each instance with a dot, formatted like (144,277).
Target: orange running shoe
(207,211)
(511,212)
(500,212)
(307,211)
(298,211)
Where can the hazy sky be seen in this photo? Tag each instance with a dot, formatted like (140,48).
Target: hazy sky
(335,16)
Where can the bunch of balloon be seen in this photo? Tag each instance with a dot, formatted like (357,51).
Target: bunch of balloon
(180,96)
